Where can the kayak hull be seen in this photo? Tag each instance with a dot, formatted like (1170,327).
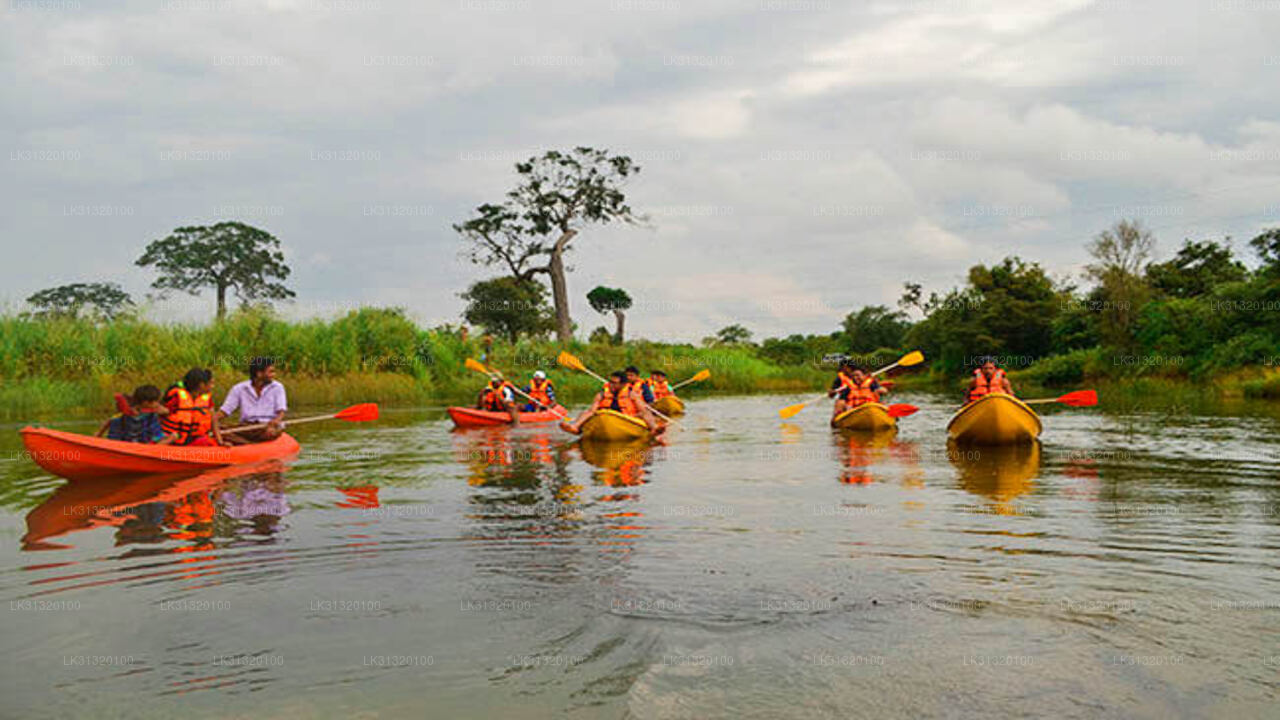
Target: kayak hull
(868,417)
(995,419)
(612,426)
(470,417)
(82,457)
(669,405)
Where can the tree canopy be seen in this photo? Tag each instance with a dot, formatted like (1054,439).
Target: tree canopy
(225,256)
(874,327)
(104,300)
(503,306)
(1196,270)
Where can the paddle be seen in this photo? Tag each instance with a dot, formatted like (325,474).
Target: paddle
(699,377)
(572,362)
(363,412)
(478,367)
(1079,398)
(914,357)
(901,410)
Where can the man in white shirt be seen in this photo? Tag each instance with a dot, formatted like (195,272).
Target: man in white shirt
(260,399)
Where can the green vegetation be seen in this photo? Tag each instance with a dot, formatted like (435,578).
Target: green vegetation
(65,364)
(103,300)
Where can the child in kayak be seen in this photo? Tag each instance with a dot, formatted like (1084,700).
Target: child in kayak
(139,418)
(191,415)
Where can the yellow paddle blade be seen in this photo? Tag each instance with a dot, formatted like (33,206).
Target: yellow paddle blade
(700,376)
(791,410)
(475,365)
(912,358)
(570,361)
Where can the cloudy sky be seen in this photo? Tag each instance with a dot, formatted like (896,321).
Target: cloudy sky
(800,158)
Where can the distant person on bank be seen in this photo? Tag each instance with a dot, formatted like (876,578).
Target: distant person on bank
(260,399)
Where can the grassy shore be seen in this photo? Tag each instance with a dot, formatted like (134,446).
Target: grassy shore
(63,367)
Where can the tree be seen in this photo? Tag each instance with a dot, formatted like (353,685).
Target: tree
(732,335)
(1196,270)
(507,307)
(229,255)
(559,193)
(615,300)
(874,327)
(1120,254)
(601,335)
(1267,246)
(107,300)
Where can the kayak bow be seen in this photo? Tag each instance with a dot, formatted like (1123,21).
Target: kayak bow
(871,417)
(669,405)
(614,426)
(995,419)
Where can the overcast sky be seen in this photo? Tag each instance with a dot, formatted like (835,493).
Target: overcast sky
(800,158)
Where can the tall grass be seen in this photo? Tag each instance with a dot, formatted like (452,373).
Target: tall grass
(66,365)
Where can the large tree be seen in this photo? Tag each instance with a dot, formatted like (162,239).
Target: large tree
(504,306)
(106,300)
(558,194)
(226,256)
(874,327)
(611,300)
(1267,246)
(1196,270)
(1120,253)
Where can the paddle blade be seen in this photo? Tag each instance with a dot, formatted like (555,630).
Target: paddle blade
(570,361)
(914,357)
(791,410)
(700,376)
(359,413)
(901,410)
(475,365)
(1080,398)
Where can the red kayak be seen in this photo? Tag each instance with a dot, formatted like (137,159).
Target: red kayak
(82,457)
(470,417)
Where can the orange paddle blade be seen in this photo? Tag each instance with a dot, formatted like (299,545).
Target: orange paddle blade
(570,361)
(1080,398)
(700,376)
(476,365)
(359,413)
(901,410)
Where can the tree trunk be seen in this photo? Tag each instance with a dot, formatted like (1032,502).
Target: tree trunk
(559,289)
(222,302)
(621,319)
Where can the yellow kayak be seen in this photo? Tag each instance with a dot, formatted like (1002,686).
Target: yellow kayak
(995,419)
(612,425)
(872,417)
(669,405)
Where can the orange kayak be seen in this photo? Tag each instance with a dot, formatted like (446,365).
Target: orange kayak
(82,457)
(465,417)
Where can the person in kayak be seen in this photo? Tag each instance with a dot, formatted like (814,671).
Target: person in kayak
(987,379)
(498,396)
(190,405)
(621,396)
(542,391)
(853,387)
(633,379)
(139,419)
(658,385)
(260,399)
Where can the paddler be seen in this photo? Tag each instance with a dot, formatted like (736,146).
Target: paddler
(621,396)
(657,384)
(542,392)
(988,378)
(498,396)
(191,415)
(634,380)
(260,399)
(852,387)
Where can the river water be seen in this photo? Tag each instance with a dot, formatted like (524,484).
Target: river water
(1127,567)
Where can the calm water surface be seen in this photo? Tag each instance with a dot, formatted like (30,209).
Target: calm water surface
(1128,567)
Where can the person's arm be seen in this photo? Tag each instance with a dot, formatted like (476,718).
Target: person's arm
(103,430)
(230,405)
(551,392)
(281,407)
(217,433)
(835,386)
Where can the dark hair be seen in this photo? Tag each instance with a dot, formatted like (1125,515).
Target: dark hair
(196,376)
(259,364)
(657,372)
(619,374)
(145,394)
(632,369)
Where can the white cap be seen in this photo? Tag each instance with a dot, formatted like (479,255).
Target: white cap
(540,375)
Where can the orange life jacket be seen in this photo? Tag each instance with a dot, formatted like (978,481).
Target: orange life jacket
(661,388)
(493,397)
(191,418)
(538,391)
(623,402)
(982,386)
(859,393)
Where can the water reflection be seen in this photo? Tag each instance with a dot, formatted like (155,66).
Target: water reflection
(1000,473)
(864,454)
